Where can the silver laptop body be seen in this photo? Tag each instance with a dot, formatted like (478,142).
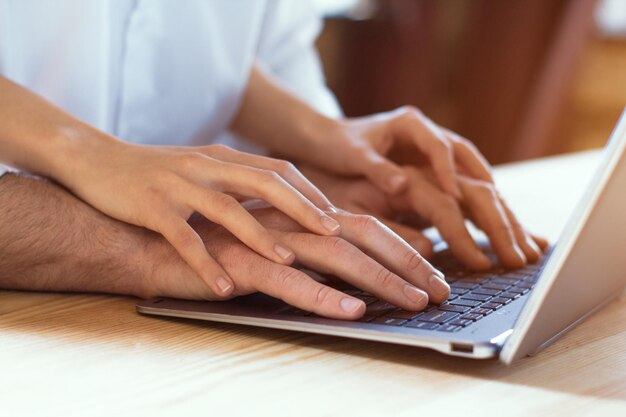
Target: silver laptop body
(584,271)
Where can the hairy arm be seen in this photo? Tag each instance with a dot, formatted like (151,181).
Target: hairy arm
(51,241)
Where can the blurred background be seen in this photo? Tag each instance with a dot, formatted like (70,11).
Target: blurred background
(520,78)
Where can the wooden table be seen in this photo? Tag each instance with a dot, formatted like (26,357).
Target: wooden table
(84,355)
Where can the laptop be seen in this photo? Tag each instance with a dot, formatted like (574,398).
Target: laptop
(505,314)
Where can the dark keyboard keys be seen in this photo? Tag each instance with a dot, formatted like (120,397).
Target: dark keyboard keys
(424,325)
(486,291)
(437,316)
(449,328)
(476,297)
(472,316)
(466,303)
(454,308)
(389,321)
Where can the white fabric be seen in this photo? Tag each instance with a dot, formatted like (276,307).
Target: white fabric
(159,71)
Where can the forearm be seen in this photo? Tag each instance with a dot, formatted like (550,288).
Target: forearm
(51,241)
(276,119)
(37,137)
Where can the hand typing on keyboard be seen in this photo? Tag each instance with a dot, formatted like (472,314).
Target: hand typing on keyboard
(367,255)
(481,203)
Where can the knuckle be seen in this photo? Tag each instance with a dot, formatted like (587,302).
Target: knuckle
(268,177)
(413,260)
(366,223)
(190,160)
(284,168)
(285,277)
(322,295)
(384,278)
(217,149)
(446,208)
(336,245)
(409,111)
(226,202)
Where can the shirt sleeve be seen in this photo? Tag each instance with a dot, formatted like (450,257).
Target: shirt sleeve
(287,49)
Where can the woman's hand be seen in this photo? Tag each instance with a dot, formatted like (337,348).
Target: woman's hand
(161,187)
(373,146)
(480,202)
(376,146)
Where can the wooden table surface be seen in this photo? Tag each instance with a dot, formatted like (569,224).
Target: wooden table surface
(84,355)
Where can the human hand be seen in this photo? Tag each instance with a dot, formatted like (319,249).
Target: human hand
(375,146)
(159,188)
(480,202)
(392,270)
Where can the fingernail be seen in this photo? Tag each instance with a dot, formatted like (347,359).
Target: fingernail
(350,305)
(282,251)
(329,224)
(438,286)
(416,296)
(396,181)
(331,209)
(223,284)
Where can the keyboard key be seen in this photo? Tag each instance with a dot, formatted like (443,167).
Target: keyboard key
(509,295)
(460,322)
(458,291)
(483,311)
(379,308)
(449,328)
(403,314)
(500,300)
(476,297)
(486,291)
(366,318)
(367,299)
(491,306)
(437,316)
(424,325)
(454,308)
(466,285)
(524,285)
(472,316)
(517,290)
(389,321)
(502,280)
(495,286)
(466,303)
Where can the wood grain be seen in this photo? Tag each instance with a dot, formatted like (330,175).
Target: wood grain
(88,355)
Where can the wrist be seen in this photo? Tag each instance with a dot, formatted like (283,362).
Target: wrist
(71,150)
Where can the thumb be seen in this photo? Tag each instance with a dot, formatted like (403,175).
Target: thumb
(386,175)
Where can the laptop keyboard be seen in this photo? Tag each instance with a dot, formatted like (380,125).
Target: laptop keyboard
(473,296)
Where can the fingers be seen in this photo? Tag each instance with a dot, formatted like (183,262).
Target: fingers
(484,205)
(412,236)
(271,187)
(541,242)
(531,250)
(382,172)
(283,168)
(378,241)
(191,248)
(444,213)
(468,156)
(415,127)
(298,289)
(225,210)
(336,256)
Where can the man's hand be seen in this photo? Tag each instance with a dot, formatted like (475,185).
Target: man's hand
(480,202)
(367,255)
(51,241)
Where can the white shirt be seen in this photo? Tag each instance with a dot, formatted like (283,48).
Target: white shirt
(159,71)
